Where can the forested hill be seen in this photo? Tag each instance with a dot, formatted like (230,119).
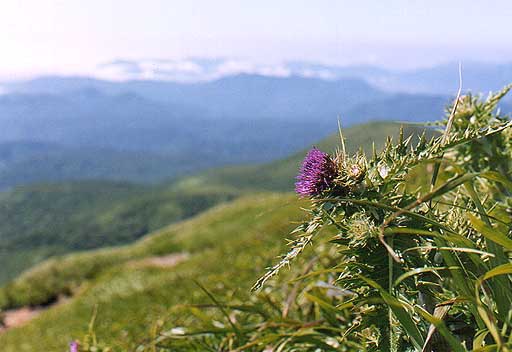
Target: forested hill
(48,219)
(60,129)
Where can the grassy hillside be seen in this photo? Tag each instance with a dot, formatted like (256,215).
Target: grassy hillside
(23,163)
(228,247)
(44,220)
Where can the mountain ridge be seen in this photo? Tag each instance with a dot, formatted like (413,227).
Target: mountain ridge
(436,79)
(152,131)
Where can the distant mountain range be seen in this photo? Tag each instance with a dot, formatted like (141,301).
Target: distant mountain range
(441,79)
(162,118)
(65,128)
(238,95)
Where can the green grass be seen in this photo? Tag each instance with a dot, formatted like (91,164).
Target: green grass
(53,219)
(50,219)
(228,246)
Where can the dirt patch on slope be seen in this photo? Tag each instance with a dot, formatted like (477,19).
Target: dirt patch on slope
(14,318)
(18,317)
(167,261)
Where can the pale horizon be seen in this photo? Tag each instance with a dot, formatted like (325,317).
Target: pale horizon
(75,38)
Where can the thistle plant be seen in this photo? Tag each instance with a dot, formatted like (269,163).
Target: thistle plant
(430,269)
(410,266)
(387,261)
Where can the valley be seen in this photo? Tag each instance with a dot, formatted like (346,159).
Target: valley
(202,248)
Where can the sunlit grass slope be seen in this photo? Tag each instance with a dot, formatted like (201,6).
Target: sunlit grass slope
(49,219)
(228,247)
(44,220)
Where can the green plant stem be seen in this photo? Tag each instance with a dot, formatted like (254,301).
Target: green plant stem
(392,339)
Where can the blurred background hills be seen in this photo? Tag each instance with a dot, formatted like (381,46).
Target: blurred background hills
(183,142)
(182,120)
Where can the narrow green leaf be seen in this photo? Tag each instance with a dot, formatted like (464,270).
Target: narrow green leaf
(490,233)
(422,270)
(451,236)
(496,176)
(443,330)
(401,314)
(496,241)
(337,269)
(214,300)
(479,339)
(503,269)
(396,209)
(490,348)
(321,303)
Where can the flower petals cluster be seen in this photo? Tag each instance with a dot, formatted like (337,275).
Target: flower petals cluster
(317,174)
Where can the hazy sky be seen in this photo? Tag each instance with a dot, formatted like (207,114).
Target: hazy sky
(72,36)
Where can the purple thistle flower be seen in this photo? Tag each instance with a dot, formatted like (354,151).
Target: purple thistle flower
(317,173)
(73,346)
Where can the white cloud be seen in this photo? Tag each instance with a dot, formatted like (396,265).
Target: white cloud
(321,73)
(174,66)
(277,71)
(188,69)
(233,67)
